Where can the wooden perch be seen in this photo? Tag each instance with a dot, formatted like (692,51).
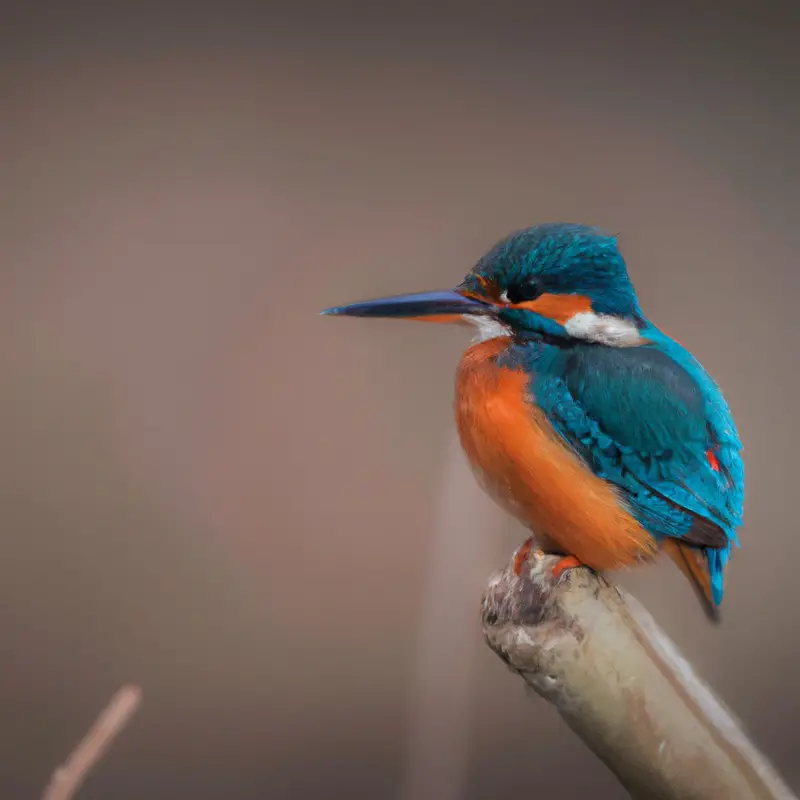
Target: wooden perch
(622,686)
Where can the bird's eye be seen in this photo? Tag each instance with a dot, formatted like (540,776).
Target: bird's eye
(528,289)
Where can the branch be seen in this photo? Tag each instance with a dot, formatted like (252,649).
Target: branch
(622,686)
(67,779)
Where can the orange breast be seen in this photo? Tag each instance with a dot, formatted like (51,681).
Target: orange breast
(520,460)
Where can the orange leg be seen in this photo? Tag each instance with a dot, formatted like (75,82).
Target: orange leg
(521,556)
(568,562)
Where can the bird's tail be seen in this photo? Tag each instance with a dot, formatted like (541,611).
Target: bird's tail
(693,563)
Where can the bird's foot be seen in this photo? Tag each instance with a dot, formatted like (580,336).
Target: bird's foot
(557,570)
(568,562)
(521,556)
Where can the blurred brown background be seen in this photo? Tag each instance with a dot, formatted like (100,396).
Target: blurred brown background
(208,489)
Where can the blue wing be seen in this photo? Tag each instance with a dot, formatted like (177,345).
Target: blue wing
(651,421)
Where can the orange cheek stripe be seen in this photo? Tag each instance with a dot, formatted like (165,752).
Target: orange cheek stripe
(558,307)
(484,283)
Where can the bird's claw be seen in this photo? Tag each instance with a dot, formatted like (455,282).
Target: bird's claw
(564,564)
(521,556)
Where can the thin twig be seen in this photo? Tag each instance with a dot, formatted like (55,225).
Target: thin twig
(69,777)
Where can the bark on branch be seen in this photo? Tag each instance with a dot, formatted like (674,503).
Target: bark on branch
(622,686)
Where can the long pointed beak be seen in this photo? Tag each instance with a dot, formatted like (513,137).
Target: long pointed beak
(414,306)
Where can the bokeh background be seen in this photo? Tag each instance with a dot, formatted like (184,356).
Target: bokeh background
(256,513)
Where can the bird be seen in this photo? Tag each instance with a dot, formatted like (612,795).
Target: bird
(603,435)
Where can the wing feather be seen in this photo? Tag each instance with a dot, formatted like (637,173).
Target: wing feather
(652,422)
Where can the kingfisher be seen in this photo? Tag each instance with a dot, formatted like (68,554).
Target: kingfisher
(599,432)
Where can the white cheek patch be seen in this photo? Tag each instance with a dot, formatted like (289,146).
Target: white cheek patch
(603,329)
(487,327)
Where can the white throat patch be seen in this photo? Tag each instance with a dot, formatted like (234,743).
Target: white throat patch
(486,327)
